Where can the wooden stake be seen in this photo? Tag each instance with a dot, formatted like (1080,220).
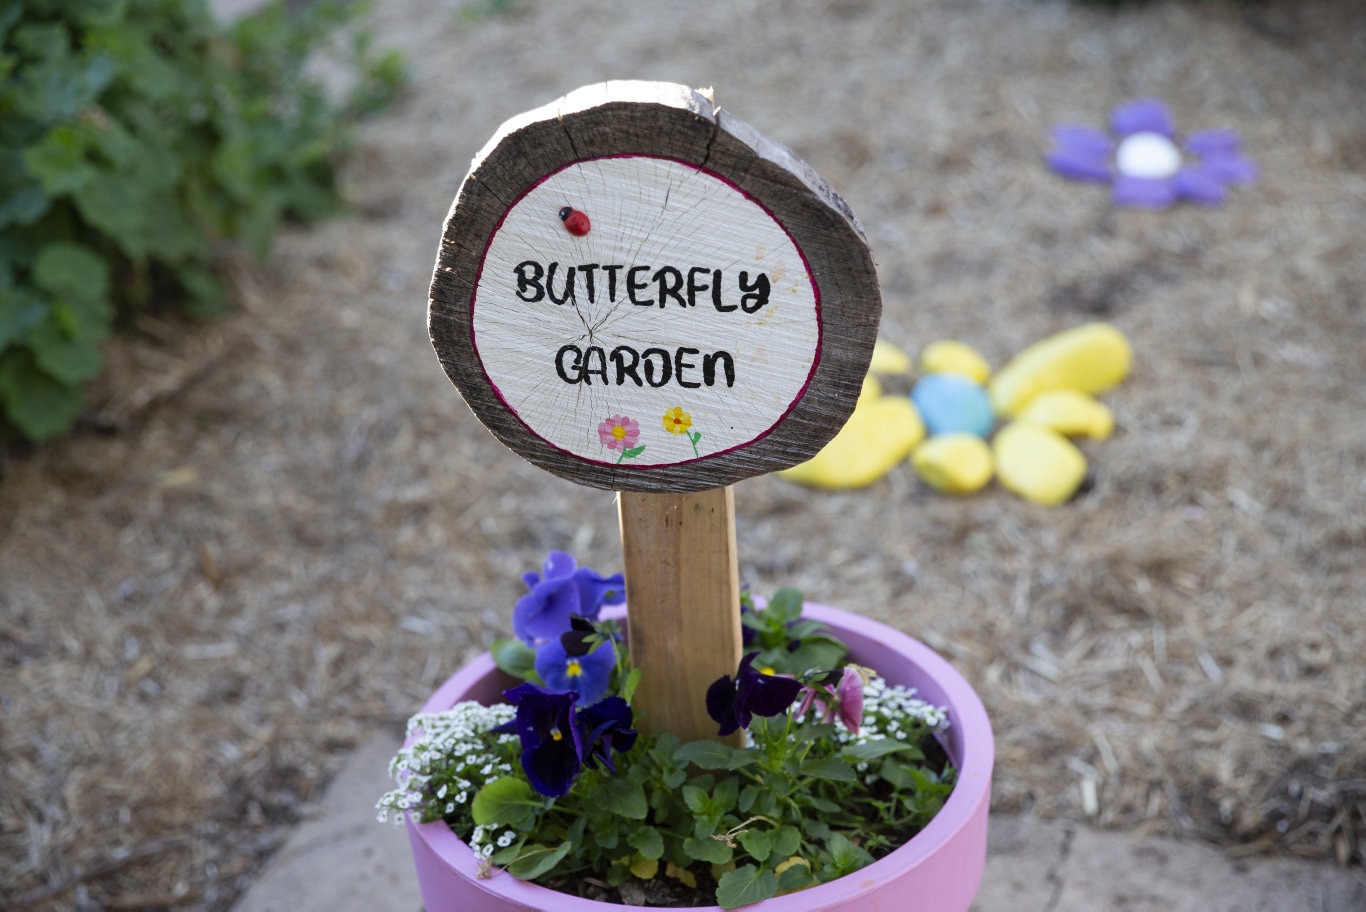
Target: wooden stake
(683,604)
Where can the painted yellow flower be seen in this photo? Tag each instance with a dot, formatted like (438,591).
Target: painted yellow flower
(677,421)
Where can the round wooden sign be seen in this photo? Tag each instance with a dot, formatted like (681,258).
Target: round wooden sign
(638,292)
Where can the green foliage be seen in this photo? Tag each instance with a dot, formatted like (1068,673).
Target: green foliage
(786,796)
(787,643)
(137,137)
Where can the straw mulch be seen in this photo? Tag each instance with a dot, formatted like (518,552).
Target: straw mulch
(276,533)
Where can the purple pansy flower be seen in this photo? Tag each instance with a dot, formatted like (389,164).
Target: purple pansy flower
(733,702)
(552,744)
(1143,162)
(587,673)
(839,694)
(607,728)
(562,588)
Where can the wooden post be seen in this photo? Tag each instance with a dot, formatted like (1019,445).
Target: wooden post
(683,596)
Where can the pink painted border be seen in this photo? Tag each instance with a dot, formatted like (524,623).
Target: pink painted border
(806,264)
(939,869)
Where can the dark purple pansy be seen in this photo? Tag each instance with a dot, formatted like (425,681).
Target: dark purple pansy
(607,728)
(733,702)
(1144,162)
(552,745)
(562,589)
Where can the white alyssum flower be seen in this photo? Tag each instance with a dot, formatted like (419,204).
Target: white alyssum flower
(454,745)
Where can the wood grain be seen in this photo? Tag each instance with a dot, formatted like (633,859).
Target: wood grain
(683,593)
(674,122)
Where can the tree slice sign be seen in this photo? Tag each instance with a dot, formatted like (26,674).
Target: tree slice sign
(638,292)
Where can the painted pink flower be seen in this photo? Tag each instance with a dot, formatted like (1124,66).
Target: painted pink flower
(619,432)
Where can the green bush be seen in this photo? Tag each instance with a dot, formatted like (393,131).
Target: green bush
(138,138)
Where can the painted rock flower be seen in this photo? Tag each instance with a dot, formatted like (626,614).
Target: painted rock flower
(561,590)
(1143,162)
(619,432)
(734,702)
(552,746)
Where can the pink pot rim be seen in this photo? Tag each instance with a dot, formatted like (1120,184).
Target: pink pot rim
(971,743)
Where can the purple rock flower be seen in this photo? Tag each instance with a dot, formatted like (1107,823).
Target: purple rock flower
(734,702)
(562,589)
(1143,162)
(552,744)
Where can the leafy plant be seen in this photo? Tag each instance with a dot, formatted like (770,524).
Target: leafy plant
(137,139)
(837,769)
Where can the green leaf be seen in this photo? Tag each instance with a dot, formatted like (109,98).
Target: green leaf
(786,841)
(844,855)
(536,860)
(813,732)
(115,207)
(515,657)
(72,271)
(508,855)
(724,796)
(24,206)
(876,749)
(746,884)
(19,310)
(786,603)
(623,798)
(71,360)
(58,161)
(822,805)
(713,851)
(829,769)
(38,405)
(509,801)
(794,877)
(633,452)
(628,687)
(757,842)
(647,841)
(696,799)
(817,651)
(706,754)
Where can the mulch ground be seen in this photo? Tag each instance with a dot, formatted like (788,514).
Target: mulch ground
(276,533)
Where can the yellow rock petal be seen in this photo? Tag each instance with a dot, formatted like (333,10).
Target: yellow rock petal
(1036,463)
(879,434)
(949,357)
(1070,413)
(1089,359)
(888,359)
(956,463)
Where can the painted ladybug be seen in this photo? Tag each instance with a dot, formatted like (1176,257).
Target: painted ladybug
(575,222)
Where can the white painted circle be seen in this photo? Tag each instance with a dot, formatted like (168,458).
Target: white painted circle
(658,387)
(1147,155)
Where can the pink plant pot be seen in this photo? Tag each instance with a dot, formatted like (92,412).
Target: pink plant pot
(938,870)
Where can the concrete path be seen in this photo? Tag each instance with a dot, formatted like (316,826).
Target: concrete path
(342,859)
